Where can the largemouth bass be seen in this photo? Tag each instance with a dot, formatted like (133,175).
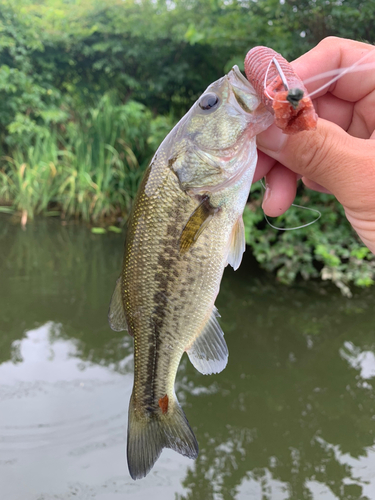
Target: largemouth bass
(185,227)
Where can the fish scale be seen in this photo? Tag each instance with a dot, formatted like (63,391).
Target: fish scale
(167,280)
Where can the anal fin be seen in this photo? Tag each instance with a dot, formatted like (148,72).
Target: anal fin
(209,352)
(116,314)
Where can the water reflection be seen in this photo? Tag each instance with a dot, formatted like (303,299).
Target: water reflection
(291,417)
(62,424)
(360,360)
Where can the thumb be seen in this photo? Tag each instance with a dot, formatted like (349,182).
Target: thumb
(341,163)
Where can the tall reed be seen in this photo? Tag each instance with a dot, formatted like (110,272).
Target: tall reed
(91,168)
(28,178)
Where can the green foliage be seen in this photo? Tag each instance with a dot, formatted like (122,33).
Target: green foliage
(25,92)
(328,248)
(29,178)
(106,152)
(89,88)
(91,169)
(98,230)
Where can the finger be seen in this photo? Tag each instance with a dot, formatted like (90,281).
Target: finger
(357,119)
(264,165)
(330,157)
(334,54)
(314,186)
(335,110)
(281,186)
(363,121)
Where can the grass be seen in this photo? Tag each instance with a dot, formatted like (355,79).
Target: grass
(90,169)
(28,178)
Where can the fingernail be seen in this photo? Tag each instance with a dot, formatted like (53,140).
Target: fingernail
(271,139)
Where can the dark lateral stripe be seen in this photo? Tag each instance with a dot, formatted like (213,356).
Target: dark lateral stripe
(153,355)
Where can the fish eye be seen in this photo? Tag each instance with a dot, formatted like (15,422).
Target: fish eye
(208,101)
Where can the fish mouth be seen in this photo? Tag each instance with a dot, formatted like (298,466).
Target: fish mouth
(241,77)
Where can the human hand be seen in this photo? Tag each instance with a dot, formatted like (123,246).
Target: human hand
(339,156)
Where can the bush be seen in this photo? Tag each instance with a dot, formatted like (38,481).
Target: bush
(328,248)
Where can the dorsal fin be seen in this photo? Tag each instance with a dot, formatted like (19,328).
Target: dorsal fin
(196,224)
(209,352)
(116,314)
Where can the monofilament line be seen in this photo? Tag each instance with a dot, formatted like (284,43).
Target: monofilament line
(293,205)
(281,74)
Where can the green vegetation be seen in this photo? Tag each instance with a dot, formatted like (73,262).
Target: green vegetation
(327,248)
(89,88)
(92,170)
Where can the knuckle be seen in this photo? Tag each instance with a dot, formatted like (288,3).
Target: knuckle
(329,41)
(314,154)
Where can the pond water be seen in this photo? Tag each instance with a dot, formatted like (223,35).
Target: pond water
(291,417)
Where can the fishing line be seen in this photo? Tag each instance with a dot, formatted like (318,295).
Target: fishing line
(344,72)
(265,79)
(281,75)
(296,206)
(339,72)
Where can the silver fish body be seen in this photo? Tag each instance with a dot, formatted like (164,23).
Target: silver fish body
(185,227)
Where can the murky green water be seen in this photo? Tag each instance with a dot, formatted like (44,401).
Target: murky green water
(291,417)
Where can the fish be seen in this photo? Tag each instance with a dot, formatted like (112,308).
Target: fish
(185,227)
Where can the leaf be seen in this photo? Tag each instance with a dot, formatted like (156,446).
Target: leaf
(98,230)
(114,229)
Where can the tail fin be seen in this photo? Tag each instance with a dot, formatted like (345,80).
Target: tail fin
(149,434)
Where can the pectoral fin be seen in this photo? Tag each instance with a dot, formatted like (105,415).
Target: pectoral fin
(116,314)
(196,224)
(237,244)
(209,352)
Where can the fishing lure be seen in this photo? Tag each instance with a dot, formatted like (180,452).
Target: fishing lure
(280,90)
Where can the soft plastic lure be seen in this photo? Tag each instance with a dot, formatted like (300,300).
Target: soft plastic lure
(280,89)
